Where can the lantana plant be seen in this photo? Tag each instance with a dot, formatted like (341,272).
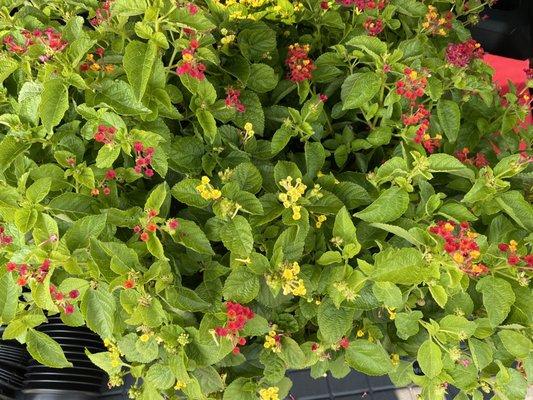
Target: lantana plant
(226,190)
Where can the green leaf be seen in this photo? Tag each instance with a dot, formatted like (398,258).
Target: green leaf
(82,230)
(208,124)
(389,206)
(264,78)
(430,358)
(371,43)
(10,149)
(333,322)
(401,266)
(398,231)
(160,376)
(446,163)
(191,236)
(359,89)
(138,60)
(157,197)
(449,118)
(344,227)
(481,352)
(368,358)
(407,324)
(242,285)
(107,156)
(38,190)
(388,293)
(185,191)
(54,102)
(25,219)
(237,236)
(121,98)
(518,208)
(292,353)
(187,299)
(7,66)
(498,297)
(240,389)
(256,41)
(98,309)
(439,294)
(9,295)
(45,350)
(516,343)
(329,257)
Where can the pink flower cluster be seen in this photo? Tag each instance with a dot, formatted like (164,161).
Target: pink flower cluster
(5,240)
(64,301)
(299,64)
(105,134)
(373,26)
(461,54)
(479,160)
(49,37)
(513,258)
(364,5)
(420,114)
(26,273)
(190,66)
(102,13)
(110,175)
(143,159)
(232,99)
(237,317)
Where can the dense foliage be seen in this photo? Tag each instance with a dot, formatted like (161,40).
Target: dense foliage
(226,190)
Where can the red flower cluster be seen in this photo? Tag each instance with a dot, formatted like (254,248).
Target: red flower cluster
(143,159)
(5,240)
(50,38)
(129,283)
(460,244)
(513,258)
(190,66)
(232,99)
(102,13)
(110,175)
(415,118)
(299,64)
(25,273)
(479,160)
(173,224)
(424,138)
(192,8)
(373,26)
(64,301)
(105,134)
(364,5)
(461,54)
(91,64)
(148,225)
(238,315)
(412,86)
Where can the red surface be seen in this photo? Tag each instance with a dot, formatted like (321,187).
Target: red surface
(508,69)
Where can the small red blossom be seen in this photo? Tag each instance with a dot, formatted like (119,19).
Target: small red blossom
(144,236)
(95,192)
(5,240)
(413,84)
(503,246)
(192,8)
(344,342)
(11,266)
(324,5)
(513,259)
(364,5)
(74,294)
(299,64)
(69,309)
(237,317)
(322,97)
(129,284)
(189,65)
(22,281)
(102,13)
(110,174)
(173,224)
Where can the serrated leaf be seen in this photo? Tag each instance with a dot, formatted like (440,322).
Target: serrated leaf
(368,358)
(46,350)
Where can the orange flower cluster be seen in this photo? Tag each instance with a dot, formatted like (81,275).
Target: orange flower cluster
(437,24)
(461,245)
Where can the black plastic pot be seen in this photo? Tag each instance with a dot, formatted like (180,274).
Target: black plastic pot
(13,360)
(83,381)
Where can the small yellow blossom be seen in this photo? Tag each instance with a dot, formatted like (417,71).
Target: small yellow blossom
(109,68)
(272,341)
(145,337)
(95,67)
(320,220)
(293,193)
(458,258)
(227,39)
(180,385)
(513,245)
(360,333)
(392,313)
(395,359)
(207,191)
(271,393)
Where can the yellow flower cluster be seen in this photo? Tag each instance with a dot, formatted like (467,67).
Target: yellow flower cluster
(392,313)
(271,393)
(207,191)
(272,341)
(435,23)
(180,385)
(114,353)
(145,337)
(294,193)
(290,282)
(94,66)
(395,359)
(320,220)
